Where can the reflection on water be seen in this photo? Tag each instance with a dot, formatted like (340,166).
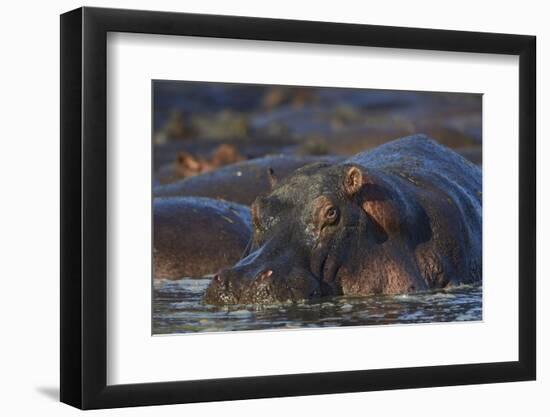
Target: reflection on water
(177,308)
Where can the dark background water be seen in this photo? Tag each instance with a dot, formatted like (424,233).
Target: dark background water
(177,308)
(258,120)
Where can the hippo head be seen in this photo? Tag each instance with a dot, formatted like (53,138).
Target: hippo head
(304,230)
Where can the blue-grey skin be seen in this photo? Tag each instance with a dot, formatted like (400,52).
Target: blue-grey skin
(194,236)
(241,182)
(403,217)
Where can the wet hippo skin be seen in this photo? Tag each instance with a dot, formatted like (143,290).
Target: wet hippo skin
(403,217)
(241,182)
(194,236)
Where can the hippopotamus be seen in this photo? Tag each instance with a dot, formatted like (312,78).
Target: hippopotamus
(187,165)
(193,237)
(401,218)
(241,182)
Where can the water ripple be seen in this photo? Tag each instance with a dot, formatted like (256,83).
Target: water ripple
(177,308)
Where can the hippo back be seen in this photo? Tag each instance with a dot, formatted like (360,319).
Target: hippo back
(419,159)
(418,156)
(241,182)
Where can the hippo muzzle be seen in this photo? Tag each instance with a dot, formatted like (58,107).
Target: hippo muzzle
(261,278)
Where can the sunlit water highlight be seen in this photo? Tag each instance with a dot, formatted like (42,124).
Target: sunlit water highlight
(177,308)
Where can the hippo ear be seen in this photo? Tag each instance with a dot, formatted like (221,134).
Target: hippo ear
(353,180)
(273,180)
(186,160)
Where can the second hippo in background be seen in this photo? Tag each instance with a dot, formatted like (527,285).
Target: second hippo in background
(401,218)
(241,182)
(193,237)
(188,165)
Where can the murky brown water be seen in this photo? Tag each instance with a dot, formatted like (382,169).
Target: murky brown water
(177,308)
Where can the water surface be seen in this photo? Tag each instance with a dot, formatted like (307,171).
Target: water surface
(177,308)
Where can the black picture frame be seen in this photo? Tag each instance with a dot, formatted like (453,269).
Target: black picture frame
(84,207)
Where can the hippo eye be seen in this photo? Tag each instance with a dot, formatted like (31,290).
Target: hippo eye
(331,213)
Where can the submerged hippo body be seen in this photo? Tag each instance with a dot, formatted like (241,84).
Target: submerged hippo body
(197,236)
(403,217)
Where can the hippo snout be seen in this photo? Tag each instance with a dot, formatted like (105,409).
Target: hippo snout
(263,285)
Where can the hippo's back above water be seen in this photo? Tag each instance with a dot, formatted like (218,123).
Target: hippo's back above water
(419,157)
(241,182)
(195,236)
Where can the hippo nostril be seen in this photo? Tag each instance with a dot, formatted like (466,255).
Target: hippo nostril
(264,275)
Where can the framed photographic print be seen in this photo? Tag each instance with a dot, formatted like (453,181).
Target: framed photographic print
(258,207)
